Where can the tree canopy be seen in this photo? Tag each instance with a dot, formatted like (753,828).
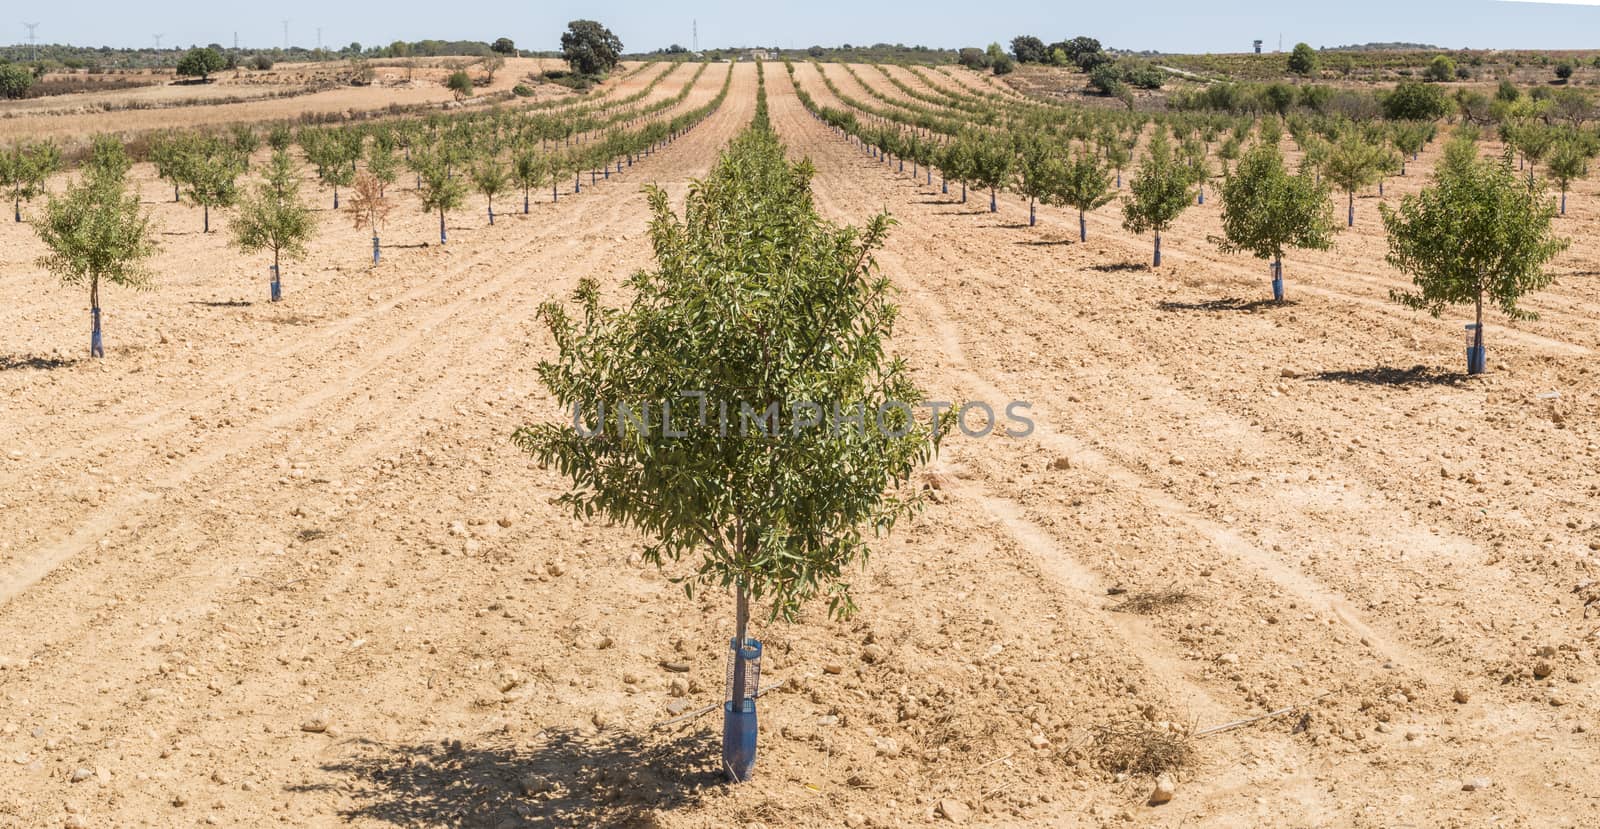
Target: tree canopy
(590,48)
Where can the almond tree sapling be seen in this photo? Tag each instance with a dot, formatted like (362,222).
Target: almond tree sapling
(489,177)
(1266,210)
(24,168)
(96,232)
(437,189)
(1569,162)
(369,208)
(992,160)
(955,164)
(755,301)
(1039,170)
(1084,184)
(1352,164)
(211,168)
(528,167)
(273,218)
(1476,233)
(1159,191)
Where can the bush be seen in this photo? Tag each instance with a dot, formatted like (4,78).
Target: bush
(522,90)
(459,83)
(1003,65)
(1412,101)
(1440,69)
(1107,78)
(1564,70)
(261,62)
(1303,60)
(973,58)
(14,80)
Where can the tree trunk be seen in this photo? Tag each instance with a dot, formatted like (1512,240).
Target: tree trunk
(442,238)
(1351,222)
(1033,216)
(1277,278)
(1158,249)
(994,207)
(96,346)
(205,211)
(276,290)
(491,212)
(335,197)
(524,201)
(1083,228)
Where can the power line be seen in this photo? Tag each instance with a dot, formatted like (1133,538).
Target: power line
(285,35)
(158,42)
(33,46)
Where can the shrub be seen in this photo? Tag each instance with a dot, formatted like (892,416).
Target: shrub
(1412,101)
(522,90)
(261,63)
(1303,60)
(973,58)
(1564,70)
(14,80)
(460,84)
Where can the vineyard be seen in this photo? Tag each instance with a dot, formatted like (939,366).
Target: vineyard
(299,524)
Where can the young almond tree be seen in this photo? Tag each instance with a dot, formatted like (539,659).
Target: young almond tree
(369,208)
(168,150)
(489,177)
(274,218)
(1569,162)
(96,232)
(528,168)
(1266,210)
(955,164)
(758,305)
(437,188)
(1352,164)
(382,163)
(1039,170)
(1160,191)
(1476,233)
(992,160)
(211,168)
(24,168)
(1085,184)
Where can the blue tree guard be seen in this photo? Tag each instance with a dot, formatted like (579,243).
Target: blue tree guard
(739,709)
(1477,354)
(96,346)
(1158,249)
(277,287)
(1277,280)
(375,249)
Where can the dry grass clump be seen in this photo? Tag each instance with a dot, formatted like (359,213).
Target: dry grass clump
(1141,747)
(1144,604)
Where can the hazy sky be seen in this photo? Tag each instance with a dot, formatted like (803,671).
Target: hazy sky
(1168,25)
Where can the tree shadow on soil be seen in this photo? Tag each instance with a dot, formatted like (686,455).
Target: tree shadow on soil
(13,362)
(1418,375)
(567,779)
(1120,267)
(1046,242)
(1228,304)
(222,303)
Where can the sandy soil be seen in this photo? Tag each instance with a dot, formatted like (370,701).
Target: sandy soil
(279,564)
